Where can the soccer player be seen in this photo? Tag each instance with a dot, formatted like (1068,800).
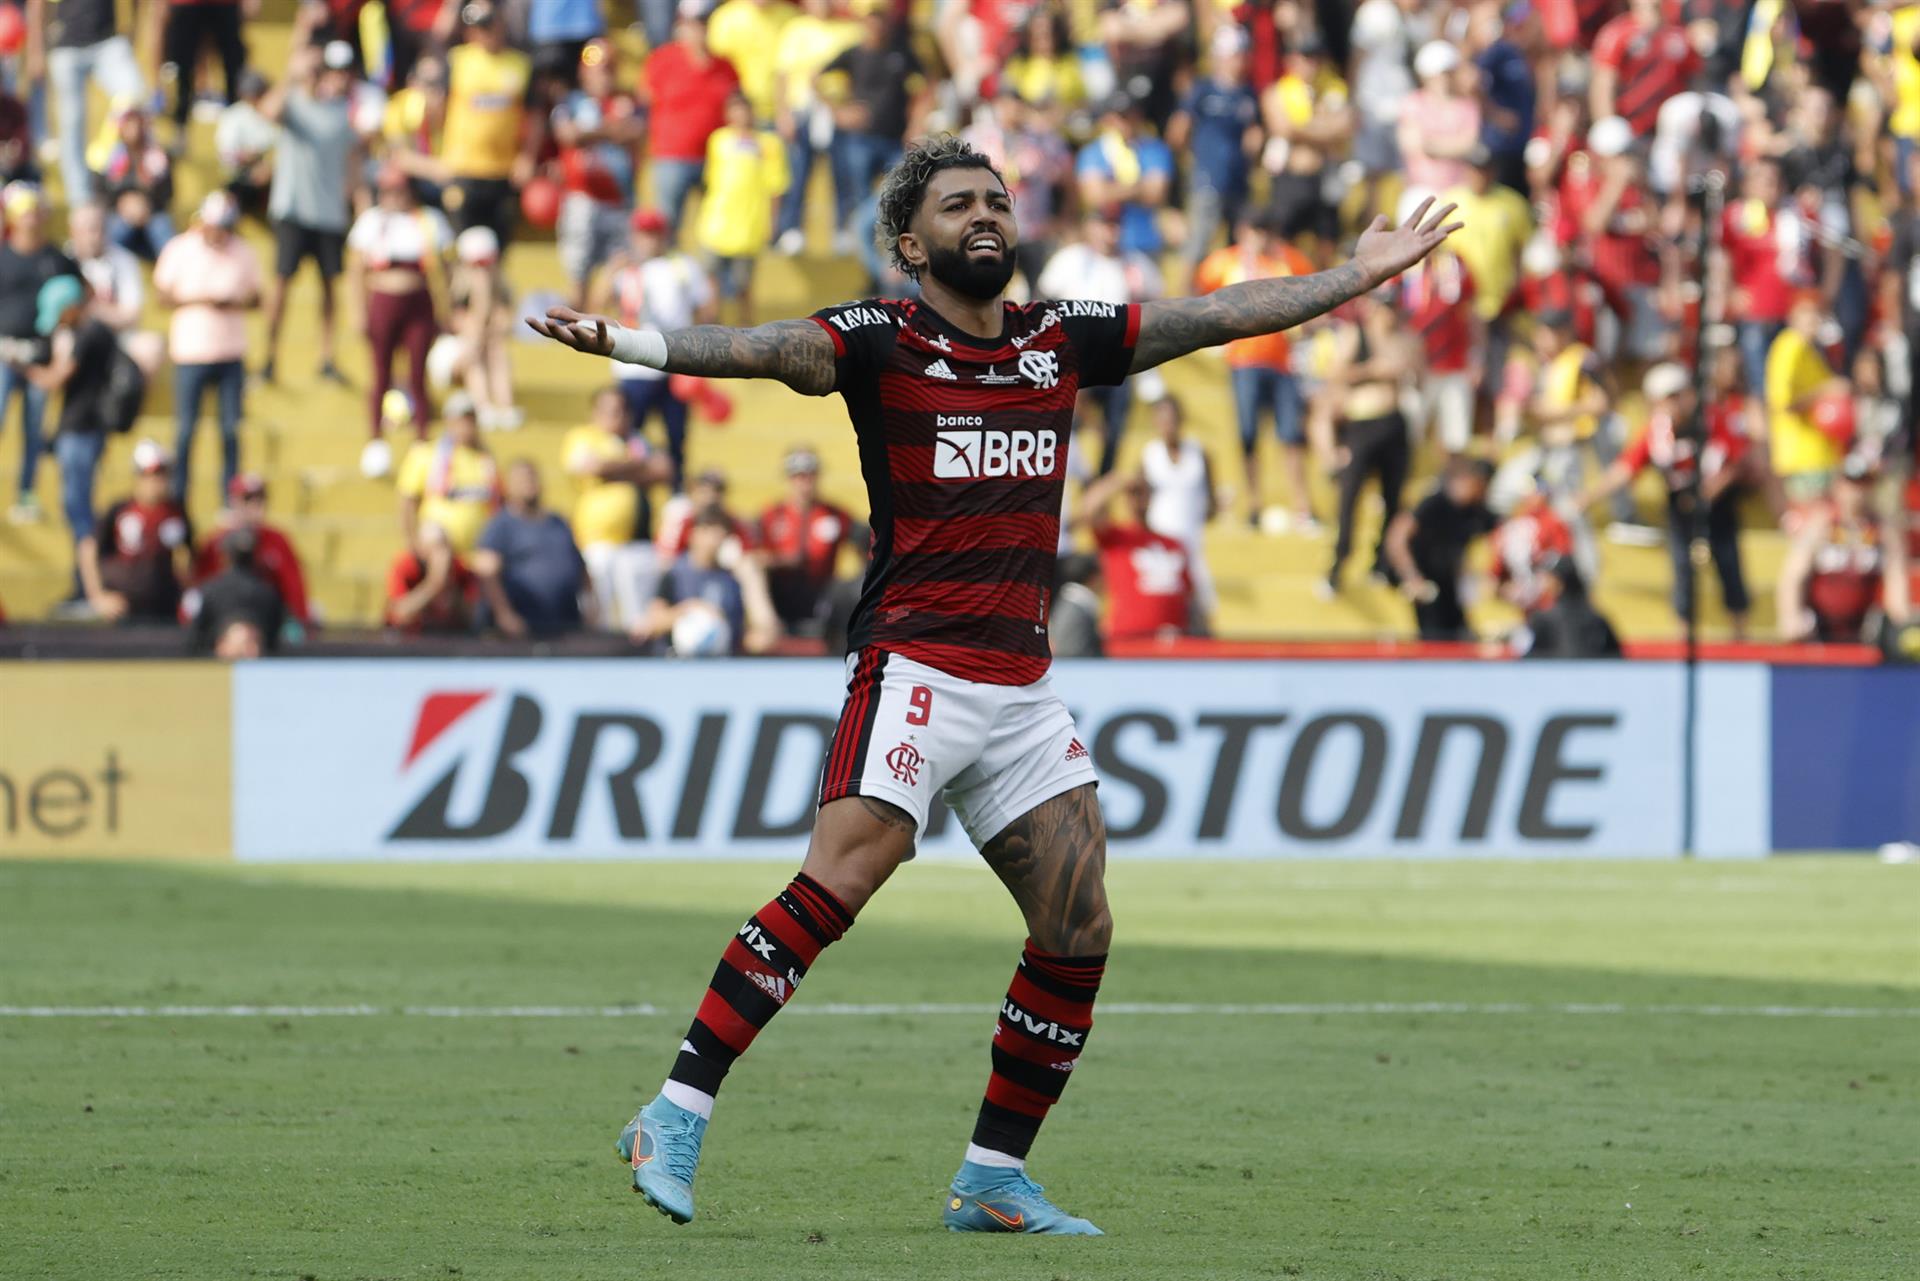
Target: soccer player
(961,402)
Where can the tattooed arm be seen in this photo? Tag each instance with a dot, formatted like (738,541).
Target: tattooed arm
(795,352)
(1180,325)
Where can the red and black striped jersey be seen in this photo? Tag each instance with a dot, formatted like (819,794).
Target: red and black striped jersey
(963,444)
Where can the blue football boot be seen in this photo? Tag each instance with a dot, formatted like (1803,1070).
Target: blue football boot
(986,1198)
(662,1143)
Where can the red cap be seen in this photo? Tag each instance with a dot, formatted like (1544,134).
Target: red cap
(650,221)
(246,485)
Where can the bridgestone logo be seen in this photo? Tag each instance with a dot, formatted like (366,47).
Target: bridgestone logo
(984,455)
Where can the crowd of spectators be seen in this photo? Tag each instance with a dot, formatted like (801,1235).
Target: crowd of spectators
(1691,249)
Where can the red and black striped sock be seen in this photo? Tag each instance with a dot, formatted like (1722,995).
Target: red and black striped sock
(759,970)
(1042,1028)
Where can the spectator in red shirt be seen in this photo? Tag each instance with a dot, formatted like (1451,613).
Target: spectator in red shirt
(1530,547)
(600,130)
(1149,576)
(1608,217)
(705,492)
(274,558)
(1759,264)
(132,566)
(1639,61)
(1695,471)
(429,588)
(686,87)
(1845,566)
(801,539)
(1436,297)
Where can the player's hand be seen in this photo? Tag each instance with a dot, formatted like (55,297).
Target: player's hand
(591,334)
(1385,253)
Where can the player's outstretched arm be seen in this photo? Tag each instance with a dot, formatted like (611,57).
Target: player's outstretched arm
(1177,326)
(795,352)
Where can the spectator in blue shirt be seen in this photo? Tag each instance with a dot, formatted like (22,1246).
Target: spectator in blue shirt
(1126,165)
(700,609)
(1218,125)
(1507,80)
(532,578)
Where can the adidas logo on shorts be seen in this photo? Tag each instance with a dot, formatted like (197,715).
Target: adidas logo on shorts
(1075,751)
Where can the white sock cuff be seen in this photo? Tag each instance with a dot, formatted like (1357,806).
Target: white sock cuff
(698,1102)
(977,1155)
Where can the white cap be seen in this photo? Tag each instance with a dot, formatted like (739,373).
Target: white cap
(1375,23)
(219,209)
(338,55)
(149,455)
(1610,136)
(476,245)
(1228,40)
(458,405)
(1436,58)
(1664,380)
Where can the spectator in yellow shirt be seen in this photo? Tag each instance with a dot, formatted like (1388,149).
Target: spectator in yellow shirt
(612,520)
(746,175)
(747,34)
(490,139)
(451,481)
(1499,222)
(807,45)
(1798,375)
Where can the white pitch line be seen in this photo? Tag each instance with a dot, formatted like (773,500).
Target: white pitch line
(1148,1009)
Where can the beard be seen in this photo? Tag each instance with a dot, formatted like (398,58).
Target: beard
(970,277)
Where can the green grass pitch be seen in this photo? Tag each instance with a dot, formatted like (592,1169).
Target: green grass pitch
(1598,1096)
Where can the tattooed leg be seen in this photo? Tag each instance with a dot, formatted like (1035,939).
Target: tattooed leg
(1053,860)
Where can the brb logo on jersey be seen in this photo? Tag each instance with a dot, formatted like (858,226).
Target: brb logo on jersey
(988,455)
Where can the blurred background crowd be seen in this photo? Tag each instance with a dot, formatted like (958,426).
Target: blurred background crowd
(1667,371)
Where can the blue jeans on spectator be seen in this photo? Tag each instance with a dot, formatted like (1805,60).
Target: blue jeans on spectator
(657,17)
(644,396)
(793,204)
(145,242)
(1113,402)
(78,453)
(33,407)
(1261,387)
(673,182)
(112,66)
(858,161)
(1756,338)
(190,385)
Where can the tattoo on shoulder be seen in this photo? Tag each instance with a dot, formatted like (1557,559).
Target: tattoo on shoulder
(795,352)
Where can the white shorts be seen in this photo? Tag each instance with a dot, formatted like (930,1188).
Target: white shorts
(1446,410)
(910,732)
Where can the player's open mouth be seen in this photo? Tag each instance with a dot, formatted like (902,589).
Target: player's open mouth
(985,244)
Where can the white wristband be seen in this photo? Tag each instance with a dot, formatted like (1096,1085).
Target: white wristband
(639,347)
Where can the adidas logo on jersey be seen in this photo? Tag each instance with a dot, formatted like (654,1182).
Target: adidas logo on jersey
(984,455)
(938,369)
